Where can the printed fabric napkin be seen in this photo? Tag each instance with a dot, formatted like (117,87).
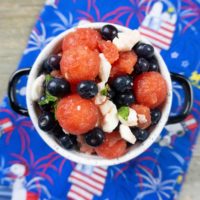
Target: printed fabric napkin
(30,170)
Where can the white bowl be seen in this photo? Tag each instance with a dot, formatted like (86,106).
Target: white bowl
(53,47)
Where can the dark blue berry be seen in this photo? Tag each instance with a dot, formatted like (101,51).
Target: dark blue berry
(109,32)
(153,65)
(46,121)
(87,89)
(52,63)
(141,66)
(122,83)
(46,67)
(66,141)
(57,130)
(124,99)
(140,134)
(44,107)
(144,50)
(58,133)
(95,137)
(73,139)
(111,93)
(155,116)
(58,87)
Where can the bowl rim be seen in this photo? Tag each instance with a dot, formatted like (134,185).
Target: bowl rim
(82,157)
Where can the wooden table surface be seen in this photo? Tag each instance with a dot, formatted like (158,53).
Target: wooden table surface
(16,21)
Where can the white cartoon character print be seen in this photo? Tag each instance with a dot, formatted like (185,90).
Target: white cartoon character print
(178,129)
(158,26)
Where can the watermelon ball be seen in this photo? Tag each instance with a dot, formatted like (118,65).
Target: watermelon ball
(82,37)
(150,89)
(109,32)
(76,115)
(124,65)
(109,50)
(143,110)
(80,63)
(112,147)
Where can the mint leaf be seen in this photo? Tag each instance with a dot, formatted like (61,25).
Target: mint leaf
(48,99)
(48,77)
(123,112)
(105,90)
(54,109)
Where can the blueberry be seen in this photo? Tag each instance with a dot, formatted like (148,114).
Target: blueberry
(44,107)
(111,93)
(57,130)
(142,65)
(123,83)
(109,32)
(66,141)
(87,89)
(124,99)
(54,61)
(46,121)
(58,87)
(144,50)
(95,137)
(153,65)
(155,116)
(51,63)
(140,134)
(73,139)
(46,67)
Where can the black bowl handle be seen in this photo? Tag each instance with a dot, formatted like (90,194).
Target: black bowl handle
(188,98)
(12,91)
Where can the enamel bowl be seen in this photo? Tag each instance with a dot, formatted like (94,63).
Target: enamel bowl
(54,47)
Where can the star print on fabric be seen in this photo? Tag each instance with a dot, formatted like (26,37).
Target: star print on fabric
(174,55)
(185,63)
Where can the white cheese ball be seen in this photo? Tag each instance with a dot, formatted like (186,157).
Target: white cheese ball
(126,40)
(126,134)
(110,122)
(99,98)
(104,69)
(110,118)
(37,88)
(132,118)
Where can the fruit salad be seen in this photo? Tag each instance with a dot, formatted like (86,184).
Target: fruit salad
(102,93)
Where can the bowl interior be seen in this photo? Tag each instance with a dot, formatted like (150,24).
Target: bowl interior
(54,47)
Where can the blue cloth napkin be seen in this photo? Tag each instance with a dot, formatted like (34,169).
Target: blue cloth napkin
(30,170)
